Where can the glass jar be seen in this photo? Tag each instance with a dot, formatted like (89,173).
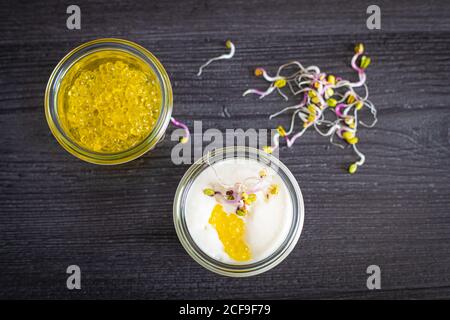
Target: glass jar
(238,270)
(51,101)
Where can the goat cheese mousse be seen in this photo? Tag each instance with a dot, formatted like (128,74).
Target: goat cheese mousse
(238,213)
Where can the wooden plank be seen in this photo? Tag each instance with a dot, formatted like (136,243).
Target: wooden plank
(116,222)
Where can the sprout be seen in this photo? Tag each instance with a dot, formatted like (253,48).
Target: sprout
(260,93)
(229,55)
(263,173)
(280,83)
(350,99)
(181,125)
(359,105)
(365,61)
(331,102)
(281,131)
(208,192)
(268,149)
(262,72)
(252,198)
(274,189)
(321,94)
(242,194)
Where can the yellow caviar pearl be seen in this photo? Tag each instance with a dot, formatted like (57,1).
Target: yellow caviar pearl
(111,107)
(231,231)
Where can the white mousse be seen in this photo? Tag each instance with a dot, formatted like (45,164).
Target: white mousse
(267,222)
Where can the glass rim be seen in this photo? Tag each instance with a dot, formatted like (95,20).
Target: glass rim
(238,270)
(83,50)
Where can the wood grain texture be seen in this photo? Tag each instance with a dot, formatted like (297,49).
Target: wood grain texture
(116,222)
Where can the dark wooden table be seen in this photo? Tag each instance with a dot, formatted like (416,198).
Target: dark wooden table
(115,222)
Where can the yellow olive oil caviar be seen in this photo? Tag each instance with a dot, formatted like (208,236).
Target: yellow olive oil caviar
(231,231)
(109,101)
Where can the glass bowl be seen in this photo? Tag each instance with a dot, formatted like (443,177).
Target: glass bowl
(238,270)
(83,51)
